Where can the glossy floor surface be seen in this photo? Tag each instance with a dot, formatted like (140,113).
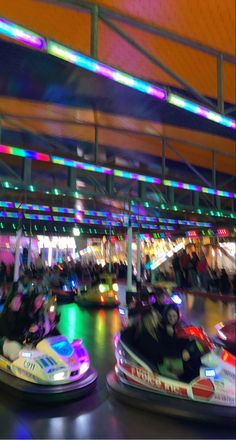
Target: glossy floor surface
(99,415)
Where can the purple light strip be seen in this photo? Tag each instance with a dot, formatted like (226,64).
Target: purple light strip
(21,34)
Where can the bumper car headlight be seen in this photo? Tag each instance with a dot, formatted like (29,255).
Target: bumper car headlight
(101,288)
(59,376)
(115,287)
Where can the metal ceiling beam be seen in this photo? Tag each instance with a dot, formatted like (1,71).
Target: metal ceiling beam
(137,23)
(10,171)
(220,84)
(116,129)
(158,63)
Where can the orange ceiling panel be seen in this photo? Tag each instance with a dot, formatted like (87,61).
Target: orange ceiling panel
(210,22)
(133,134)
(61,24)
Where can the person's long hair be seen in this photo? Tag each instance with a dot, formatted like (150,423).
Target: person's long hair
(147,322)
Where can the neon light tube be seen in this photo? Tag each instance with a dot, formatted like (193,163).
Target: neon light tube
(82,166)
(31,39)
(122,217)
(104,170)
(38,217)
(18,205)
(24,153)
(88,63)
(199,110)
(5,214)
(32,207)
(21,34)
(134,176)
(198,188)
(82,212)
(7,204)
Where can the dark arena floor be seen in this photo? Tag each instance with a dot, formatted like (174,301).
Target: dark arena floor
(99,415)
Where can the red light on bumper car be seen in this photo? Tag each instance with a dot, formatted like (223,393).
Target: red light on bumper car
(229,358)
(102,299)
(116,298)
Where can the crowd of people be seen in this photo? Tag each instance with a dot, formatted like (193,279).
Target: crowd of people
(189,272)
(194,272)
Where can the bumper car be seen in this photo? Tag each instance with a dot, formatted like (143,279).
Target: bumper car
(226,335)
(209,397)
(103,294)
(66,294)
(54,370)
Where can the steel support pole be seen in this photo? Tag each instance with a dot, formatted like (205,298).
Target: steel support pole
(29,252)
(71,178)
(196,200)
(96,144)
(138,265)
(214,169)
(17,256)
(109,252)
(220,83)
(94,32)
(26,170)
(129,259)
(163,158)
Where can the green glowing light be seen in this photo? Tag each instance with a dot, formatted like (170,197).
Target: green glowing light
(73,322)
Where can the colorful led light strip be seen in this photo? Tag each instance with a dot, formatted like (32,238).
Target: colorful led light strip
(80,165)
(26,206)
(197,109)
(88,63)
(30,38)
(134,176)
(202,189)
(38,217)
(28,154)
(5,214)
(104,170)
(101,69)
(122,217)
(21,34)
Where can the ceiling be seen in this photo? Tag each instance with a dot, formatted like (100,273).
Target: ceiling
(47,104)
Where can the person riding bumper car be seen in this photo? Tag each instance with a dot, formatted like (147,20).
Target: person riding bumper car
(209,395)
(54,370)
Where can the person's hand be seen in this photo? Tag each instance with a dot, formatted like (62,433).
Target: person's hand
(33,328)
(170,330)
(185,355)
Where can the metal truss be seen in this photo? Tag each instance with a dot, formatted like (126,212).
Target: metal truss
(107,15)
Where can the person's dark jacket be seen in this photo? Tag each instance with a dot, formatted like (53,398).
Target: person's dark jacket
(224,283)
(148,347)
(13,325)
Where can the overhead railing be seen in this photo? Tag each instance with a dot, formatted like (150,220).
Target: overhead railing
(124,174)
(36,41)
